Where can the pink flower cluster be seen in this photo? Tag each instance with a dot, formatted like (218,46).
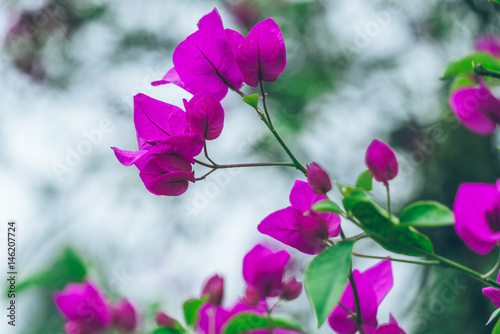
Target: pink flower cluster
(207,63)
(308,231)
(263,271)
(87,311)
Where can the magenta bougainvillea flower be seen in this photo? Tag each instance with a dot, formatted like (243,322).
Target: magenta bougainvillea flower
(318,179)
(381,160)
(390,328)
(124,316)
(488,43)
(84,308)
(493,294)
(169,139)
(372,285)
(215,59)
(214,288)
(205,61)
(167,174)
(477,215)
(263,271)
(476,108)
(298,225)
(261,55)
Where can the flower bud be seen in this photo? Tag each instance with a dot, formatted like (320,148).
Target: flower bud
(214,287)
(381,161)
(125,316)
(252,296)
(291,289)
(318,179)
(163,320)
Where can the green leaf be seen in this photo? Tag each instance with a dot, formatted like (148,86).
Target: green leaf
(353,197)
(465,65)
(245,322)
(493,316)
(252,100)
(365,181)
(496,329)
(69,267)
(326,277)
(463,80)
(191,309)
(494,1)
(327,206)
(389,234)
(166,330)
(426,214)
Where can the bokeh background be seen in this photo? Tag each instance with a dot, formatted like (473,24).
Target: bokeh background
(357,70)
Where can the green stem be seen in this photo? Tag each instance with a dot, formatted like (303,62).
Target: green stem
(451,264)
(388,200)
(358,318)
(495,267)
(269,125)
(480,70)
(261,84)
(426,263)
(270,319)
(254,164)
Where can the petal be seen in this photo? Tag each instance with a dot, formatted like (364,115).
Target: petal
(302,197)
(80,300)
(170,77)
(262,53)
(162,163)
(488,43)
(205,61)
(471,203)
(333,223)
(263,269)
(493,294)
(340,321)
(234,39)
(187,146)
(156,120)
(212,316)
(467,104)
(380,276)
(169,184)
(205,116)
(211,20)
(281,225)
(128,158)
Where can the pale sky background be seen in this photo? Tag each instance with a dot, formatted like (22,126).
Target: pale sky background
(161,249)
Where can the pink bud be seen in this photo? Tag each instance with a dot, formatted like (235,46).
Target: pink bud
(125,316)
(163,320)
(318,179)
(252,296)
(214,287)
(291,289)
(381,161)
